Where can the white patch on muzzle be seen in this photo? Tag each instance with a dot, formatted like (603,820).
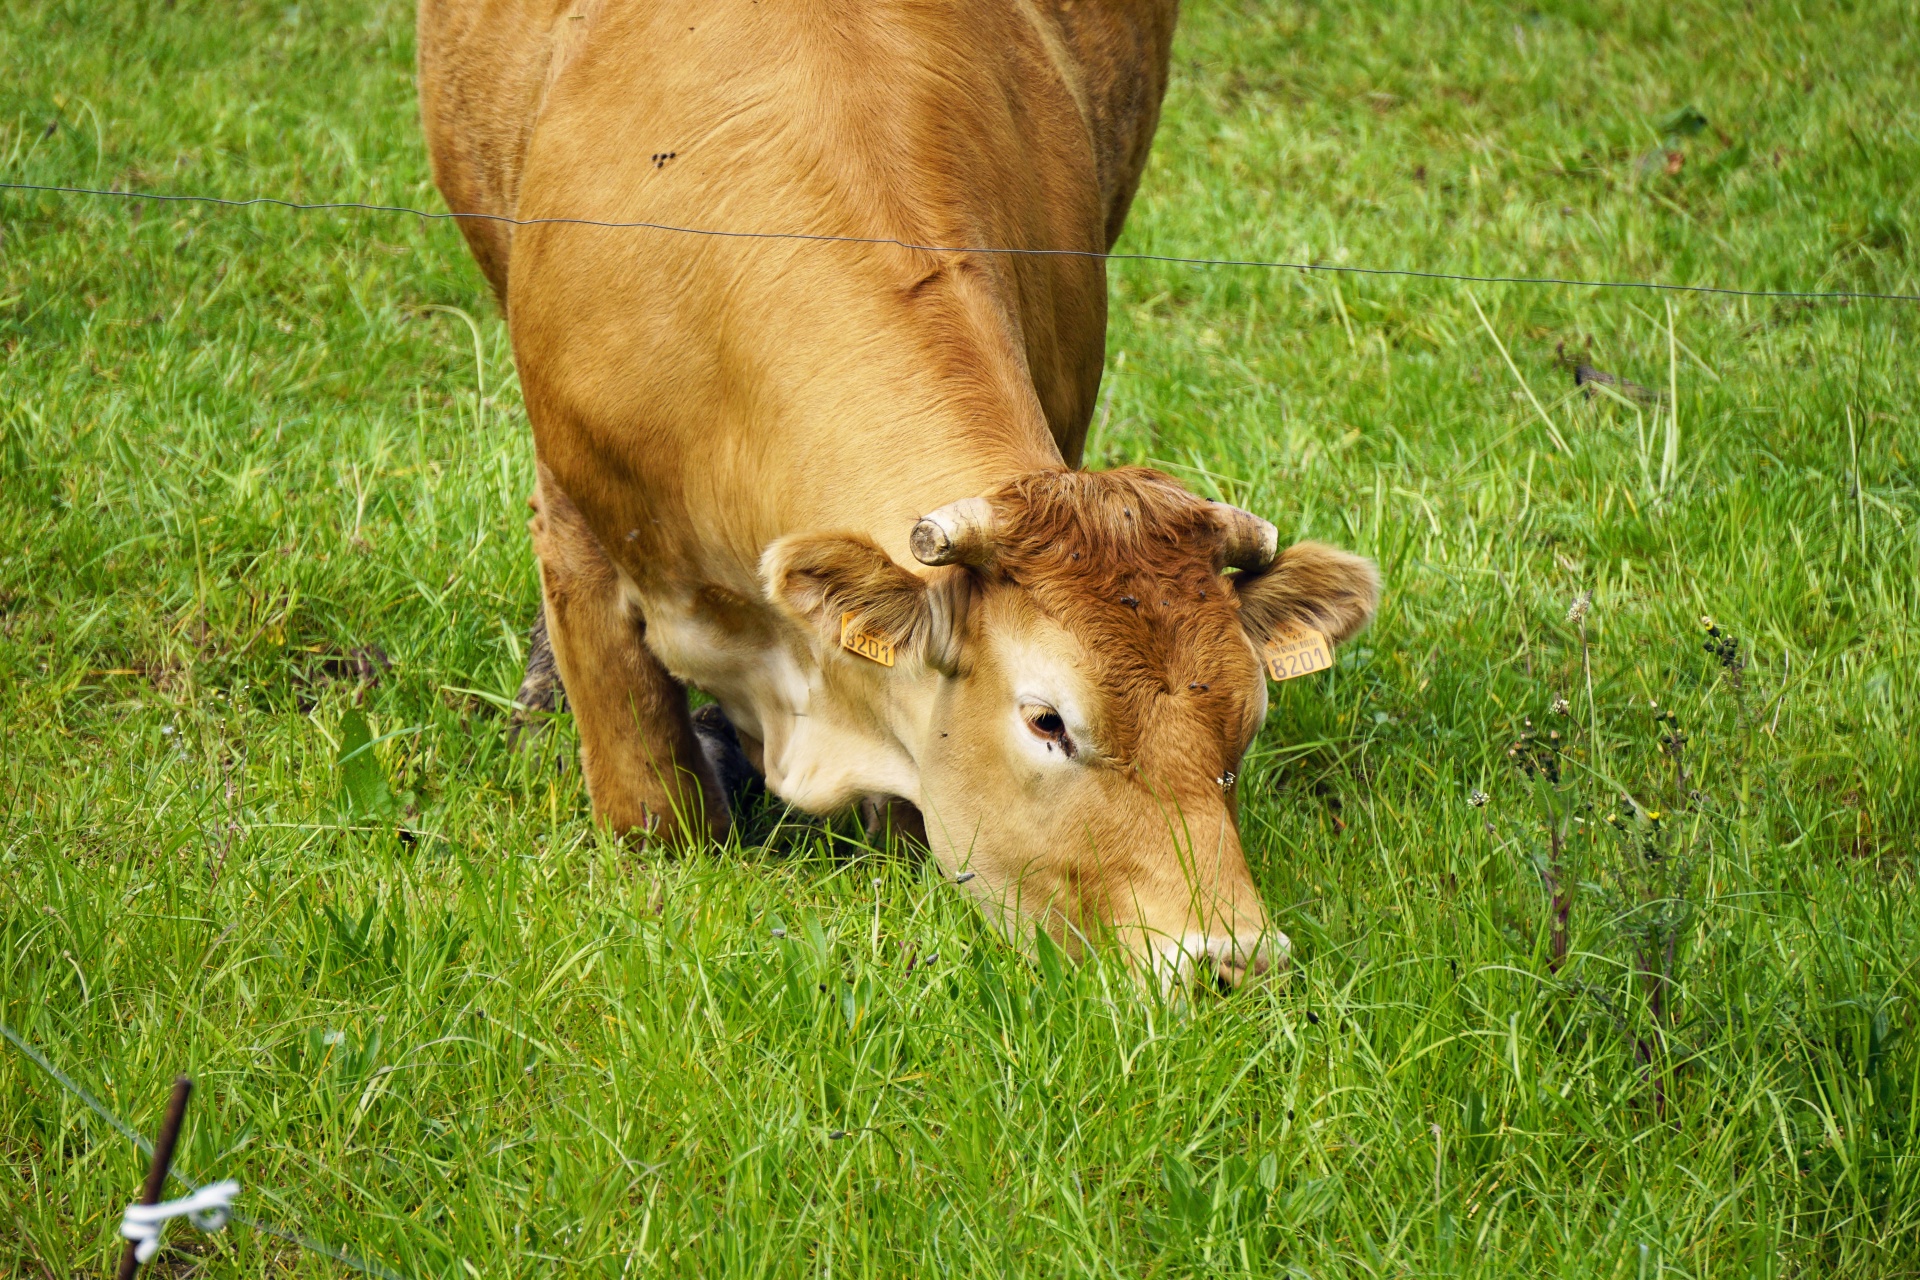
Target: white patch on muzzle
(1179,962)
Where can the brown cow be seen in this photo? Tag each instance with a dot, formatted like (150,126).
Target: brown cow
(831,484)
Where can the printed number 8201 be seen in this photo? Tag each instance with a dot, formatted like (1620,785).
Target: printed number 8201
(1298,652)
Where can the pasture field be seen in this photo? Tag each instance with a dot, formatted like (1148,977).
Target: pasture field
(262,483)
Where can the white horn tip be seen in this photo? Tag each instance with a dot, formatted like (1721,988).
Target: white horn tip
(1247,542)
(958,533)
(1266,543)
(930,543)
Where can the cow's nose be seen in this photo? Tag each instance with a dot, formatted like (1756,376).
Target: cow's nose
(1228,960)
(1248,958)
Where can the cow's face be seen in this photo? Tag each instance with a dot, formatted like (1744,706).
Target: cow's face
(1094,678)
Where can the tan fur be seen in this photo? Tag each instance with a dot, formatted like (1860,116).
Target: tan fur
(736,436)
(820,577)
(637,749)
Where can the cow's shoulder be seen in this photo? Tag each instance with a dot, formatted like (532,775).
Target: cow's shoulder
(1116,55)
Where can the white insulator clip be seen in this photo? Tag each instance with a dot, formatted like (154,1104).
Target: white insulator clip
(208,1209)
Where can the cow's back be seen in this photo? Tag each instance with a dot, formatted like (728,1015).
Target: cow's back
(486,66)
(700,396)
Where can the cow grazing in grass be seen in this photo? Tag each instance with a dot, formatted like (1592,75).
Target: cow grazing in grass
(833,484)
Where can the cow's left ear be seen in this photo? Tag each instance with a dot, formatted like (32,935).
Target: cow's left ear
(822,579)
(1313,584)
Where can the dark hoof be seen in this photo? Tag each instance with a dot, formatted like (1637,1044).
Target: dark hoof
(540,689)
(721,745)
(884,816)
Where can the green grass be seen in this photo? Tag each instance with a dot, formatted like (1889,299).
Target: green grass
(240,445)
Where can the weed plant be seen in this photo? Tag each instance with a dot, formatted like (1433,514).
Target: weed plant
(264,589)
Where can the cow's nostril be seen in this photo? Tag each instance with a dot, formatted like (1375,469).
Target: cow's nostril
(1246,962)
(1234,973)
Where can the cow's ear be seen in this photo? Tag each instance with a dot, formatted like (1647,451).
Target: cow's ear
(1309,583)
(827,580)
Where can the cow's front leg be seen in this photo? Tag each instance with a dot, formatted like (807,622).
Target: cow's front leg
(643,765)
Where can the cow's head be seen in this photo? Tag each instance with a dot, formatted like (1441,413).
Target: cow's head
(1089,646)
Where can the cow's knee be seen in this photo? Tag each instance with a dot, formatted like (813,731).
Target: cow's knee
(645,769)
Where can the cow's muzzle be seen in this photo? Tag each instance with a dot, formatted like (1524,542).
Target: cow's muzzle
(1229,961)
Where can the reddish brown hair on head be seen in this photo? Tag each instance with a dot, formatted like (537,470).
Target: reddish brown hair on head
(1130,515)
(1128,560)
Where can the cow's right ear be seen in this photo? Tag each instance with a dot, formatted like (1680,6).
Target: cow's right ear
(823,580)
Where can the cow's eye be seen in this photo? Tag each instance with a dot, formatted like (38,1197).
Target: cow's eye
(1045,724)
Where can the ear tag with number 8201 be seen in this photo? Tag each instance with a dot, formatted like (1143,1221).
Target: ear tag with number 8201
(865,643)
(1297,651)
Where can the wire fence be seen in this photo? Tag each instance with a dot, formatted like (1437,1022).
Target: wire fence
(355,206)
(134,1136)
(1791,295)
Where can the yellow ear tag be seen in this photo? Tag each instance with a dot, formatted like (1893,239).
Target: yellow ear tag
(1297,651)
(864,643)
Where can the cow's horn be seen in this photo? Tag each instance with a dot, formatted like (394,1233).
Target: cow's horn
(958,533)
(1246,541)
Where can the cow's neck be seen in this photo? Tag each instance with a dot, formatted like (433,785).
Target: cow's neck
(828,727)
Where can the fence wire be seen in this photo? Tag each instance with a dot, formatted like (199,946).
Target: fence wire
(1796,295)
